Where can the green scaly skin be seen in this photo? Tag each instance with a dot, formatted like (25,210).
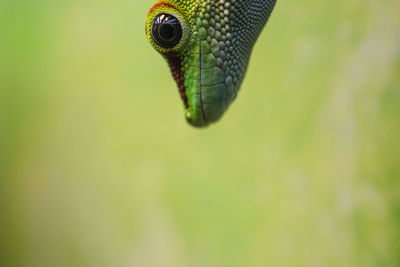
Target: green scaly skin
(210,61)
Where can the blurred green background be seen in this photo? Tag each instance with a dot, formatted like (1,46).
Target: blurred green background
(99,168)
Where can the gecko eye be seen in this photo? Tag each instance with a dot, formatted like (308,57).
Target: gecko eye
(166,30)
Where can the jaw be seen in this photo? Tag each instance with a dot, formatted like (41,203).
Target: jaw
(202,84)
(207,104)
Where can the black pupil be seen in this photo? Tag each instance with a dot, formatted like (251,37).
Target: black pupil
(166,30)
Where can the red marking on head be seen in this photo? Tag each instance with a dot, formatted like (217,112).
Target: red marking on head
(176,69)
(160,4)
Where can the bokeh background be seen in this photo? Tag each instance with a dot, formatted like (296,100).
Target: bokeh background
(99,168)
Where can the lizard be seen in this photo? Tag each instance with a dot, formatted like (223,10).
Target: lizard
(207,45)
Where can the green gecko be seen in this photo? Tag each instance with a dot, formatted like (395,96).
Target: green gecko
(207,44)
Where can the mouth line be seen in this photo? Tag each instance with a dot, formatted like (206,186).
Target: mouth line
(201,89)
(175,64)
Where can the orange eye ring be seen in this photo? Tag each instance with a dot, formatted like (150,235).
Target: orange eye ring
(167,29)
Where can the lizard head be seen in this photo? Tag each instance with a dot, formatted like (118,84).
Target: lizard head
(207,44)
